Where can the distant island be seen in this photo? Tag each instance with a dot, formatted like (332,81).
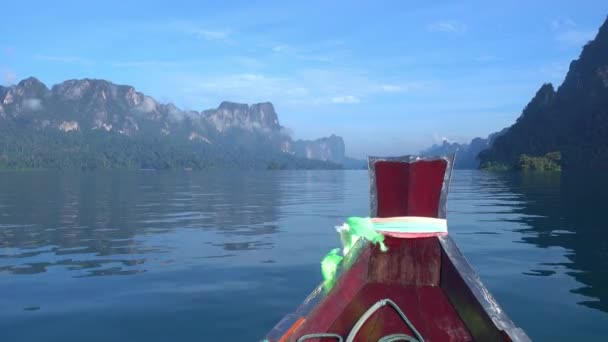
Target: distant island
(466,154)
(95,124)
(559,129)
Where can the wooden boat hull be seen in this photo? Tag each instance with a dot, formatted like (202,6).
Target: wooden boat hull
(422,286)
(428,278)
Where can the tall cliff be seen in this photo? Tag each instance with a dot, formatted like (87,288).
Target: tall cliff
(92,106)
(572,120)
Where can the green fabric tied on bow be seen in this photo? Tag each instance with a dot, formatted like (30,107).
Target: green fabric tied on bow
(329,267)
(350,232)
(363,227)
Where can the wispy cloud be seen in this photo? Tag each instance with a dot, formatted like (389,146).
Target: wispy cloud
(250,87)
(307,87)
(32,105)
(65,59)
(323,51)
(322,58)
(449,26)
(568,33)
(8,76)
(211,34)
(243,61)
(281,48)
(403,87)
(575,37)
(439,139)
(202,32)
(561,24)
(347,99)
(8,51)
(393,88)
(150,64)
(485,58)
(249,62)
(555,71)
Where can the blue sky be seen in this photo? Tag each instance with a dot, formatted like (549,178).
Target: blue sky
(391,77)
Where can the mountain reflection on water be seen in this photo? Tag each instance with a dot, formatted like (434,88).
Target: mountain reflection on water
(568,212)
(104,224)
(157,256)
(112,223)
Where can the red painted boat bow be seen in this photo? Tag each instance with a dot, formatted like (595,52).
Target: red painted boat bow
(422,287)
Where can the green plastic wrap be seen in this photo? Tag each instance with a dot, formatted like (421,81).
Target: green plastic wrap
(363,227)
(329,267)
(354,229)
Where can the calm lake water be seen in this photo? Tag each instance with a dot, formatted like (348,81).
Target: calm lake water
(222,256)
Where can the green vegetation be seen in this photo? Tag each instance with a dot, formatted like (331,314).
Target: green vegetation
(549,162)
(495,166)
(51,149)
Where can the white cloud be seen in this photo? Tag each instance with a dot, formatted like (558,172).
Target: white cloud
(287,131)
(211,34)
(568,33)
(575,37)
(148,64)
(8,76)
(245,87)
(8,51)
(297,91)
(315,52)
(280,48)
(392,88)
(249,62)
(561,24)
(439,139)
(347,99)
(316,57)
(450,26)
(206,33)
(307,87)
(485,58)
(32,104)
(332,43)
(65,59)
(148,105)
(555,72)
(403,87)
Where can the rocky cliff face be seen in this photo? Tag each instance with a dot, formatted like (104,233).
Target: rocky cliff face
(257,117)
(92,104)
(572,120)
(326,149)
(24,99)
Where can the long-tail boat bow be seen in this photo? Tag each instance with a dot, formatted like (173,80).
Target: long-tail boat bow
(400,277)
